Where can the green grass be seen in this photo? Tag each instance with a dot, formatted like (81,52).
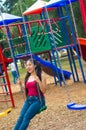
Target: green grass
(22,72)
(64,63)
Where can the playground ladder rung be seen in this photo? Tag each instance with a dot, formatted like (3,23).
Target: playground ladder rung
(2,76)
(3,84)
(4,93)
(5,100)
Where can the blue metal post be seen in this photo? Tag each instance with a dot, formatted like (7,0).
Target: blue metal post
(66,38)
(11,48)
(75,68)
(13,54)
(25,36)
(53,45)
(63,26)
(70,62)
(75,42)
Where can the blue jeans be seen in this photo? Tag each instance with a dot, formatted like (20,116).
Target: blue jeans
(30,108)
(15,76)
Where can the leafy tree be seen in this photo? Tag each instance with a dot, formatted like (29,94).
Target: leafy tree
(78,19)
(8,5)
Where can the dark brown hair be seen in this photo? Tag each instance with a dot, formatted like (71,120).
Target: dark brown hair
(38,72)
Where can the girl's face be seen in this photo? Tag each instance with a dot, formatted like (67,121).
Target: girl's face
(30,66)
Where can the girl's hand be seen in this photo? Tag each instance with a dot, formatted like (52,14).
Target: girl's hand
(19,81)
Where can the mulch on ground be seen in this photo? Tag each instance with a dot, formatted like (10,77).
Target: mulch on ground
(57,116)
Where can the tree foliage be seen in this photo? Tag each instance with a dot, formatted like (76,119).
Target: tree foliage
(17,7)
(8,5)
(78,19)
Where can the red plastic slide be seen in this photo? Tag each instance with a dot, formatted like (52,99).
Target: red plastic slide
(82,42)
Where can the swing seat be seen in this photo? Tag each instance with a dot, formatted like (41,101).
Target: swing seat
(2,114)
(74,106)
(42,109)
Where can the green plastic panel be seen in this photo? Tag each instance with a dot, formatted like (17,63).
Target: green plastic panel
(39,41)
(58,36)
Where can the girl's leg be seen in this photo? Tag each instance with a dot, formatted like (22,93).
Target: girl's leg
(31,112)
(15,77)
(22,113)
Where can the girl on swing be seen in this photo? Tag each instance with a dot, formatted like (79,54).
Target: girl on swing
(35,87)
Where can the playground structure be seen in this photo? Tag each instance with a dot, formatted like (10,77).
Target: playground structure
(5,86)
(47,36)
(83,12)
(38,37)
(5,83)
(61,37)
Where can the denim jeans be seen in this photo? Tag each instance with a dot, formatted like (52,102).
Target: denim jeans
(30,108)
(15,76)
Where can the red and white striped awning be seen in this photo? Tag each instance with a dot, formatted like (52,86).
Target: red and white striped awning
(36,8)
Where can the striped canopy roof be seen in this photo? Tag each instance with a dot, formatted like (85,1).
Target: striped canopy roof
(38,6)
(6,18)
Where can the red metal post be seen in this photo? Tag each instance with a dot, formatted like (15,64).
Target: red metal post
(83,12)
(7,77)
